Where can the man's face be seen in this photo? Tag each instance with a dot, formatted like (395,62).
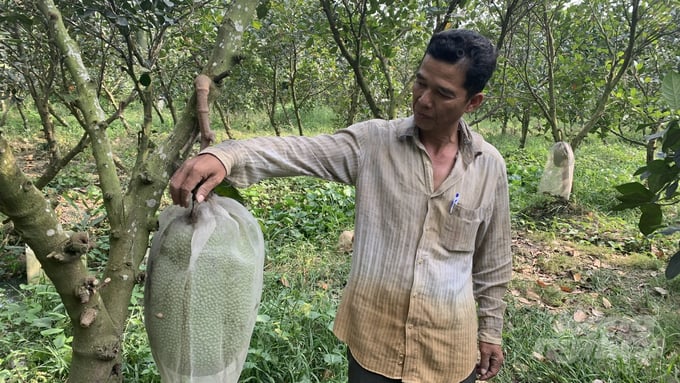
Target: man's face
(439,99)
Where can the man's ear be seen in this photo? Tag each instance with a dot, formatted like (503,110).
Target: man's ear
(475,102)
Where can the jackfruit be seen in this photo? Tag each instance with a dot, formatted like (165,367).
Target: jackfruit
(203,289)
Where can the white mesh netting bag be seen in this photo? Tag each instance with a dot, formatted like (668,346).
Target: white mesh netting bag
(558,173)
(203,289)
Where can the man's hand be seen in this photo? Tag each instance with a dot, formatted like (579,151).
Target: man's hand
(491,360)
(204,171)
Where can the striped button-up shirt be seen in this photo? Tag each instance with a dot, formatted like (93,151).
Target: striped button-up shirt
(429,267)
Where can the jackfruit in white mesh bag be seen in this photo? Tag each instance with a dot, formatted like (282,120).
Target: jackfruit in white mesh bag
(203,289)
(558,173)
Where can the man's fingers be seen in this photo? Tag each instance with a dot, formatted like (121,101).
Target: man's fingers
(181,187)
(198,175)
(483,366)
(489,367)
(494,368)
(206,187)
(490,360)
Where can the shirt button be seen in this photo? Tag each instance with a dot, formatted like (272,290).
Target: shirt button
(420,261)
(410,326)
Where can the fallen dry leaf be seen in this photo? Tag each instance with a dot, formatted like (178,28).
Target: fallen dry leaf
(524,301)
(660,254)
(580,316)
(538,356)
(533,295)
(606,303)
(284,281)
(661,291)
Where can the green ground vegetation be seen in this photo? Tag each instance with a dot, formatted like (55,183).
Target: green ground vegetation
(588,301)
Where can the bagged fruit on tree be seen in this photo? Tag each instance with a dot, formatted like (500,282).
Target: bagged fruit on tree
(203,289)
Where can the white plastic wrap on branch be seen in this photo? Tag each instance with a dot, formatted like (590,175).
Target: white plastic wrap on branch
(202,84)
(203,289)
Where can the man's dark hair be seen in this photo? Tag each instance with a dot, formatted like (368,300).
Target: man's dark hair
(475,52)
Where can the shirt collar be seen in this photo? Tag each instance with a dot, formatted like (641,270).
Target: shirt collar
(469,144)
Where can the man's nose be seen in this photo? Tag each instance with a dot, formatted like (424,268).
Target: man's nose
(425,98)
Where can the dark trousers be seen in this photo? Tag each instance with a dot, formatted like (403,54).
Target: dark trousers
(358,374)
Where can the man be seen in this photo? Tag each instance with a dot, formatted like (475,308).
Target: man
(432,259)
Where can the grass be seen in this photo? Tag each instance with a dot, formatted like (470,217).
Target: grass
(588,300)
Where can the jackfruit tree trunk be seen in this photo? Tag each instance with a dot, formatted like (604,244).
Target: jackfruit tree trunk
(98,307)
(59,255)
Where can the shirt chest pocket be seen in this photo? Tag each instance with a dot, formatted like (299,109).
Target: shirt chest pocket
(460,229)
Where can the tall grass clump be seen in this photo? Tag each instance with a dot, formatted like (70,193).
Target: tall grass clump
(551,347)
(36,342)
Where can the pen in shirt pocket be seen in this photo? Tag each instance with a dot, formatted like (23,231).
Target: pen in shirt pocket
(454,202)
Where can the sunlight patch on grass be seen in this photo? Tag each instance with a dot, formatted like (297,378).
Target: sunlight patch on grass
(638,261)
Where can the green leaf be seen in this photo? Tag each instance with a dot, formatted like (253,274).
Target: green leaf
(640,171)
(671,138)
(673,268)
(332,359)
(147,5)
(631,187)
(670,90)
(263,9)
(51,331)
(625,205)
(145,79)
(650,219)
(660,178)
(634,193)
(59,341)
(657,166)
(224,189)
(671,189)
